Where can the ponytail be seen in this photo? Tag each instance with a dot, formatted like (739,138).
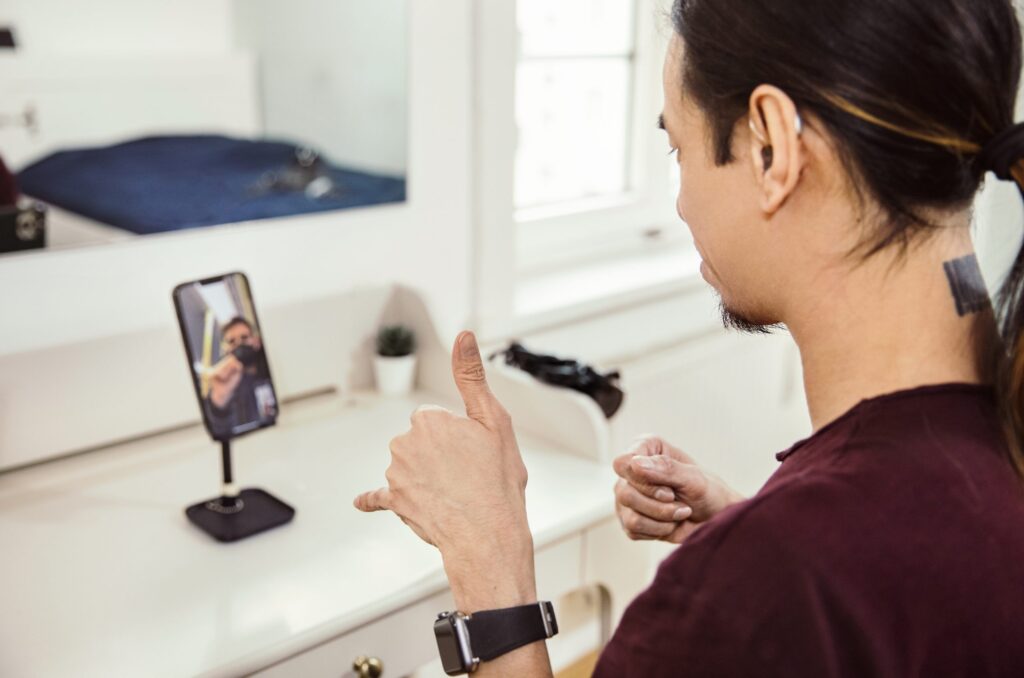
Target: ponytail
(1010,376)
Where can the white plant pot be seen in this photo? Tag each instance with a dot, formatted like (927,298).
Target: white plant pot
(395,376)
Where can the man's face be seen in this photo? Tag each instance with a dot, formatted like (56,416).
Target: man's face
(237,335)
(721,206)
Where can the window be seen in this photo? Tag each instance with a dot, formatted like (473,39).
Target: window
(575,206)
(592,177)
(574,91)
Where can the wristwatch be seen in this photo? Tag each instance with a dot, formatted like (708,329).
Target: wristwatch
(465,640)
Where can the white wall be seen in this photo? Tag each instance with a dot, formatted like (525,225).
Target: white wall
(101,26)
(61,297)
(333,72)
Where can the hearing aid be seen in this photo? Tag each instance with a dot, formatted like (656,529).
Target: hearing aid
(767,152)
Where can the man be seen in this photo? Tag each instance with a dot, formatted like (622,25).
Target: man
(829,152)
(240,391)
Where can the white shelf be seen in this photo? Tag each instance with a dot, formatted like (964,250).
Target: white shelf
(104,576)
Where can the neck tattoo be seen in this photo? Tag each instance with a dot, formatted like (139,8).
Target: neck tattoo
(967,285)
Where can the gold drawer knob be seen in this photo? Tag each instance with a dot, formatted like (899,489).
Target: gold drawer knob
(368,667)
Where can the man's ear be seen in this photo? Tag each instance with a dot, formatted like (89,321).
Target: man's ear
(776,152)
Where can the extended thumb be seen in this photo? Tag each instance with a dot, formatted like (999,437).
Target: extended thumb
(470,377)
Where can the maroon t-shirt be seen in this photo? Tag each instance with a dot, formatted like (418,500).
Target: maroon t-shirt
(890,543)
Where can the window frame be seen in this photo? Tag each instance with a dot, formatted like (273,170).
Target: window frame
(593,202)
(513,248)
(558,234)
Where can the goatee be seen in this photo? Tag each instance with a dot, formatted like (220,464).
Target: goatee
(733,320)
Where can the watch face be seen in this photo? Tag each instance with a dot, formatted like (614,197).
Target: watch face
(448,646)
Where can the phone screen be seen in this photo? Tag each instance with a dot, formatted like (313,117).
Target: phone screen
(226,355)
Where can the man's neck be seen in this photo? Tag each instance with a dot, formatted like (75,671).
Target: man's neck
(887,325)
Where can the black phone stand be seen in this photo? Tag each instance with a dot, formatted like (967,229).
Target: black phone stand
(236,515)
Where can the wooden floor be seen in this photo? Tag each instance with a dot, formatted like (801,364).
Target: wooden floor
(583,668)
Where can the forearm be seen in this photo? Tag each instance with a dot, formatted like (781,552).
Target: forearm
(496,580)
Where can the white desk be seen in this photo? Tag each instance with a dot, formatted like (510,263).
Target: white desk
(101,574)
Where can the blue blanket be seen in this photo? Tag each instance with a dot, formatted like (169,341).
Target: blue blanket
(170,183)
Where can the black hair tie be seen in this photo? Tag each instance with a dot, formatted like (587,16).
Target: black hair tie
(1004,151)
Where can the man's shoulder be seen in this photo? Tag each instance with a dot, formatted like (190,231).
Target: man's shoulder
(776,528)
(743,580)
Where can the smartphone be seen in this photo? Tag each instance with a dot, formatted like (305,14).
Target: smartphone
(226,355)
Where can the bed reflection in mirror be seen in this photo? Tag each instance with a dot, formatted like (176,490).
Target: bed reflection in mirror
(176,116)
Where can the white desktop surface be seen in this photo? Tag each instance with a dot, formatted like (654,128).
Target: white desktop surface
(102,575)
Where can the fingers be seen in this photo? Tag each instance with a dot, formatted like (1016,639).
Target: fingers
(639,527)
(689,484)
(651,445)
(661,472)
(381,500)
(646,444)
(624,470)
(377,500)
(423,412)
(668,512)
(471,380)
(230,365)
(646,518)
(686,479)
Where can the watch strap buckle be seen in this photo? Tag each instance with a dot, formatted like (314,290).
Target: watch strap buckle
(547,616)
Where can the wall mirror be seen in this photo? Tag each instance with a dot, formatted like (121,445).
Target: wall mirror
(125,118)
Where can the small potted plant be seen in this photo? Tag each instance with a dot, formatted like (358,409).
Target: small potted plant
(395,362)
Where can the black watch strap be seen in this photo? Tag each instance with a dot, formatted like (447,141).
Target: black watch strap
(492,633)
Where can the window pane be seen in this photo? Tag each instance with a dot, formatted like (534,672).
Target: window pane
(573,117)
(575,27)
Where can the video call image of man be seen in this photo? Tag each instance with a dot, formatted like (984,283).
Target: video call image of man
(240,395)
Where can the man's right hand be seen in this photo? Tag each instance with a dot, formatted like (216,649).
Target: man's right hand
(663,494)
(224,379)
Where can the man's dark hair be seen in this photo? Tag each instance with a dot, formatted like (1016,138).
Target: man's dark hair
(237,320)
(909,91)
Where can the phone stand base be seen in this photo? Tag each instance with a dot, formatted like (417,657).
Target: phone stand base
(252,512)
